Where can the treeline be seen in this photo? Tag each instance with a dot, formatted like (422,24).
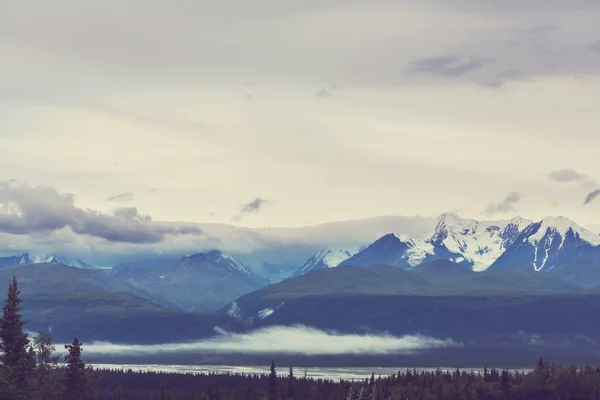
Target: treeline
(29,370)
(545,382)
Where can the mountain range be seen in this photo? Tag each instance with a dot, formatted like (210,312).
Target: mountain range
(553,244)
(33,258)
(462,279)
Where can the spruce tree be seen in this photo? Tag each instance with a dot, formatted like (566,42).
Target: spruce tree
(163,392)
(75,378)
(16,361)
(291,388)
(273,395)
(119,393)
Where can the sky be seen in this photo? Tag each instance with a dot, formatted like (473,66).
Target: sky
(297,112)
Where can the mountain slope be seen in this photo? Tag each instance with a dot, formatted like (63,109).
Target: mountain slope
(200,282)
(443,272)
(439,278)
(553,243)
(93,305)
(397,251)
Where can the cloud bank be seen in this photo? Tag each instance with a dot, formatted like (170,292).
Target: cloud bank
(293,340)
(28,209)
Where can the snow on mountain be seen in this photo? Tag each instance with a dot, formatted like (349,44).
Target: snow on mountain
(391,249)
(217,258)
(562,226)
(476,244)
(35,258)
(328,258)
(554,242)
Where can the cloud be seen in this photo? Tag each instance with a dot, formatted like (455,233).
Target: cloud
(447,66)
(277,339)
(252,207)
(29,210)
(323,93)
(120,198)
(506,205)
(591,196)
(567,175)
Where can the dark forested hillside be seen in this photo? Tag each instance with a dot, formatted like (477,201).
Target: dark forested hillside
(29,370)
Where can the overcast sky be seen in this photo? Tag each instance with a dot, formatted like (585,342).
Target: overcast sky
(296,112)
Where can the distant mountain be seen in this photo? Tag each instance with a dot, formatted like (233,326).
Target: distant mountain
(30,258)
(93,305)
(149,264)
(328,258)
(553,244)
(474,244)
(200,282)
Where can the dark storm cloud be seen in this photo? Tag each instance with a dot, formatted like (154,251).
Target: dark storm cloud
(120,198)
(29,210)
(591,196)
(447,66)
(506,205)
(567,175)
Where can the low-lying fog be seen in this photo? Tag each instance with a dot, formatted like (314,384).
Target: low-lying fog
(294,340)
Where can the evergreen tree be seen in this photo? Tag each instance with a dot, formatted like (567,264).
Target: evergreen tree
(163,392)
(291,388)
(119,394)
(16,361)
(372,388)
(273,395)
(75,378)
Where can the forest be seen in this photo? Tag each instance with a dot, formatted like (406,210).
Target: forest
(30,370)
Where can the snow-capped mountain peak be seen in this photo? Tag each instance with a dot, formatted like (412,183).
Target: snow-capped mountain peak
(329,258)
(553,242)
(216,257)
(39,258)
(562,226)
(474,243)
(392,249)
